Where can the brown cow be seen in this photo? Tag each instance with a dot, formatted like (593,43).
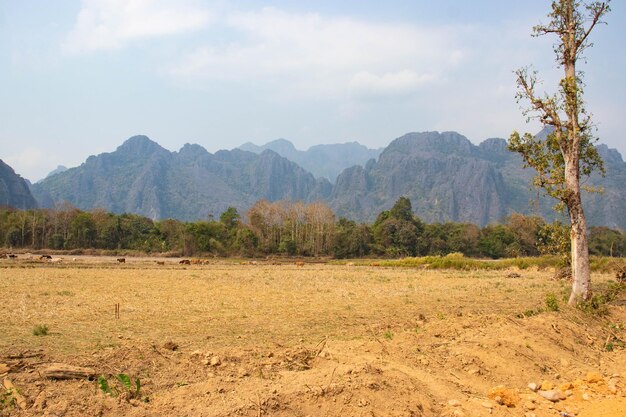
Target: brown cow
(185,262)
(121,260)
(299,264)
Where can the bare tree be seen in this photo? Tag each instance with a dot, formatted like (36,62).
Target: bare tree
(569,150)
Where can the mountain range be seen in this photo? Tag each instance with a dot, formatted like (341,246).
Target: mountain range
(446,177)
(326,161)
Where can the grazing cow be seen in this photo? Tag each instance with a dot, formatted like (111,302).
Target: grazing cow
(160,262)
(55,260)
(121,260)
(185,262)
(12,256)
(299,264)
(42,257)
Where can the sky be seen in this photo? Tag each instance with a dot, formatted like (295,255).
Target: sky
(79,77)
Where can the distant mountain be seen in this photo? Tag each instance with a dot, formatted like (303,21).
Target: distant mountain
(14,189)
(144,178)
(57,170)
(447,178)
(325,161)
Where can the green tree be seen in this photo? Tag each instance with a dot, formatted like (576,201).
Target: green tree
(568,152)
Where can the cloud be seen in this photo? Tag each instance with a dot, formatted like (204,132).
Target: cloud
(33,163)
(366,84)
(111,24)
(311,54)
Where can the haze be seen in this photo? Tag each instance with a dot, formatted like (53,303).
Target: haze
(80,77)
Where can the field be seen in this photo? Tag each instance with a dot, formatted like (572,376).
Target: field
(261,339)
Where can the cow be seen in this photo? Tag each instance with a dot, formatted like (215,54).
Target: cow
(121,260)
(299,264)
(160,262)
(42,257)
(12,256)
(185,262)
(55,260)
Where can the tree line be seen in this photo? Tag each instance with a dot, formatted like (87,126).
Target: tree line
(293,229)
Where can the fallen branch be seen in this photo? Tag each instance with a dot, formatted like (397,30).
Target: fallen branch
(64,371)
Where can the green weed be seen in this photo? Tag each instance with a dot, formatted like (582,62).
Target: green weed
(40,330)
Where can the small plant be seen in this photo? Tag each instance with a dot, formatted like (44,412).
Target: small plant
(388,335)
(529,313)
(40,330)
(552,303)
(598,303)
(7,402)
(123,386)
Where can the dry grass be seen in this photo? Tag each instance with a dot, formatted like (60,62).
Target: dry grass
(246,305)
(396,341)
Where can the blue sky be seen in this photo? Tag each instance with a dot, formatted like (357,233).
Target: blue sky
(78,77)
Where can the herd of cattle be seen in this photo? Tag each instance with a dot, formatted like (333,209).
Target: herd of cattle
(50,259)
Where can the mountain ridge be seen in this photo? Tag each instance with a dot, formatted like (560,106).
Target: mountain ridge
(446,177)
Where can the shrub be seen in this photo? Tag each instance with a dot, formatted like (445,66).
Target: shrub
(40,330)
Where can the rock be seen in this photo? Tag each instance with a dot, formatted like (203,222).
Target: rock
(593,377)
(40,402)
(552,395)
(566,386)
(215,361)
(530,414)
(454,403)
(547,386)
(586,397)
(487,404)
(15,393)
(504,396)
(568,393)
(458,413)
(196,353)
(170,346)
(529,405)
(533,387)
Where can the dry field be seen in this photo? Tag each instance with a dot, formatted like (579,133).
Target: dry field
(319,340)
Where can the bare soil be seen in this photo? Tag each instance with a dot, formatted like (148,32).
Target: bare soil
(244,339)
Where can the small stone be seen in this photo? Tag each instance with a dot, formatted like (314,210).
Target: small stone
(593,377)
(40,401)
(565,363)
(205,362)
(557,376)
(529,405)
(568,393)
(486,404)
(215,361)
(552,395)
(170,346)
(196,353)
(586,397)
(533,387)
(498,400)
(458,413)
(566,386)
(454,403)
(529,414)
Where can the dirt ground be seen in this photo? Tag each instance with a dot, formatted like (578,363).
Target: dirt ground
(259,339)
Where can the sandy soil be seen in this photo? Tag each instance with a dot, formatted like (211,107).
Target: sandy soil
(229,339)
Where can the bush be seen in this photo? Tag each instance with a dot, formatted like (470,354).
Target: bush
(40,330)
(552,303)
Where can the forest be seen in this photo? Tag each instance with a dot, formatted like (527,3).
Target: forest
(292,229)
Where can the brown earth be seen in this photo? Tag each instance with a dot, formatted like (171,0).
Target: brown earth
(319,340)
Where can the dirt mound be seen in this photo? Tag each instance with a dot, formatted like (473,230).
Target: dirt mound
(467,366)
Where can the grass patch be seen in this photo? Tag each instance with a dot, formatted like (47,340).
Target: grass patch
(40,330)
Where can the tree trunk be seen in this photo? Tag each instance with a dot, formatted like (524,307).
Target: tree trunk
(581,275)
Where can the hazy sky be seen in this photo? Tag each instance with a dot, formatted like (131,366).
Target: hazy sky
(78,77)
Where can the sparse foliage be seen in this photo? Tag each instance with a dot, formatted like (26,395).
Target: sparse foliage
(568,151)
